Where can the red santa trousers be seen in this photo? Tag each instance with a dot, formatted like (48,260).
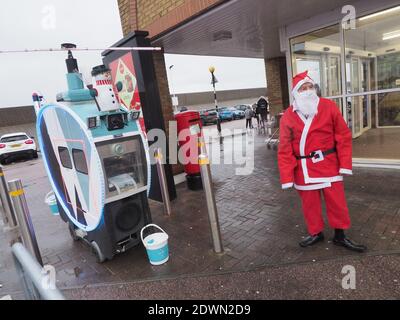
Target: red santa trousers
(336,208)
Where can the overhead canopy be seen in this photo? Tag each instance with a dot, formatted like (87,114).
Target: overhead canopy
(242,28)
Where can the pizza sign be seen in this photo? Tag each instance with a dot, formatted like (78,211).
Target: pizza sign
(123,71)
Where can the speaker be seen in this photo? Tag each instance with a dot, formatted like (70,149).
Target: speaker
(121,225)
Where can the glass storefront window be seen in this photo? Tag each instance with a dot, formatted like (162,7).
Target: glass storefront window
(373,46)
(388,109)
(371,64)
(378,143)
(359,114)
(319,52)
(338,102)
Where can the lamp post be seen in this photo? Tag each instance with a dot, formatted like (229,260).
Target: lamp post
(174,98)
(214,81)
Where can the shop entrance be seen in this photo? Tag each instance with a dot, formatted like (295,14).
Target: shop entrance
(359,70)
(358,78)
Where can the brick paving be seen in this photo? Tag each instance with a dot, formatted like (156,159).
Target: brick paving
(261,225)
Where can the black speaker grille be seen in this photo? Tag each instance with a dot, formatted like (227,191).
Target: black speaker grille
(128,217)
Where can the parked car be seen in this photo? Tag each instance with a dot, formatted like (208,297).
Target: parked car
(209,116)
(225,114)
(237,114)
(242,107)
(17,145)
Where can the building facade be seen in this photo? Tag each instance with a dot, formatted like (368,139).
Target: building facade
(351,49)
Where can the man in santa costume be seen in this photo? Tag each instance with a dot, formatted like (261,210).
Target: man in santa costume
(315,151)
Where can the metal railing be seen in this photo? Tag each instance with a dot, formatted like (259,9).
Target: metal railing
(37,283)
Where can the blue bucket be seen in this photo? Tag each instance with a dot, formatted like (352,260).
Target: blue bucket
(156,245)
(51,201)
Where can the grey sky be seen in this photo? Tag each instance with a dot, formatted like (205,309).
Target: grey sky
(190,73)
(90,23)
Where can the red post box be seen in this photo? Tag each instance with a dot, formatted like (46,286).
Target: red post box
(190,123)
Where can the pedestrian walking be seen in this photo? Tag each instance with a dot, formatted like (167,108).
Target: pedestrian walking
(248,114)
(256,115)
(262,110)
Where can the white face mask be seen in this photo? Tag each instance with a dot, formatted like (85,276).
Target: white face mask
(306,102)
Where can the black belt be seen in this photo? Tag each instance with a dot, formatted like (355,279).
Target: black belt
(315,153)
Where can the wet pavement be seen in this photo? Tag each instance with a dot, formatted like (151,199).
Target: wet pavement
(376,277)
(261,226)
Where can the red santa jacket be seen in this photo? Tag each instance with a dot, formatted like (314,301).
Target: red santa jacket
(300,136)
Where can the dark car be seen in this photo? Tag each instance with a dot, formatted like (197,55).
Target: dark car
(208,116)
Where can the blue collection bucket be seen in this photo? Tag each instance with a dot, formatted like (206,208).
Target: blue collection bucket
(156,245)
(51,201)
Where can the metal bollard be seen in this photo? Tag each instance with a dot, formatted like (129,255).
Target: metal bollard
(210,199)
(269,125)
(163,181)
(8,216)
(202,145)
(24,219)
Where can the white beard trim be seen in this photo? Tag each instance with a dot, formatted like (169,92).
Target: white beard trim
(306,102)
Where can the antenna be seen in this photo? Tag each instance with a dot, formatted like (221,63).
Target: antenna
(72,63)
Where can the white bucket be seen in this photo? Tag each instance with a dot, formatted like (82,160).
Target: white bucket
(51,201)
(156,245)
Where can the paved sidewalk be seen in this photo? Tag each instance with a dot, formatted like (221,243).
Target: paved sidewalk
(375,277)
(261,225)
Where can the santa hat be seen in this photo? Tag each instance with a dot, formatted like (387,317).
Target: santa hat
(300,79)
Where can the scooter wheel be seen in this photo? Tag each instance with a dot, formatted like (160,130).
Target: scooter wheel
(72,232)
(96,250)
(269,146)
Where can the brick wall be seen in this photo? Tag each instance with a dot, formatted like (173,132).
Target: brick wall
(155,9)
(128,14)
(277,88)
(163,88)
(157,16)
(165,97)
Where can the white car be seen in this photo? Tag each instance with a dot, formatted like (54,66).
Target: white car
(16,145)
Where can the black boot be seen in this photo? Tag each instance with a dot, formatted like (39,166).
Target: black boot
(310,240)
(340,239)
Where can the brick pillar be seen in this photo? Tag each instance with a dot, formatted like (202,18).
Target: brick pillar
(165,96)
(128,14)
(277,84)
